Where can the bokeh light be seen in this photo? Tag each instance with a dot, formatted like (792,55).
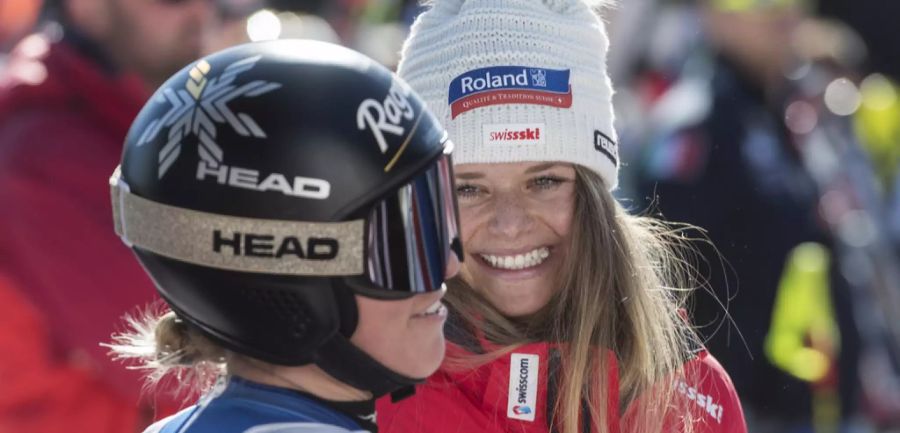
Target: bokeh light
(800,117)
(263,25)
(842,97)
(877,92)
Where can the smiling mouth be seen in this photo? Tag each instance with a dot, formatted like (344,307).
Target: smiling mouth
(436,309)
(518,261)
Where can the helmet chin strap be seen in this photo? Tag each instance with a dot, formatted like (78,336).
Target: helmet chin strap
(347,363)
(351,365)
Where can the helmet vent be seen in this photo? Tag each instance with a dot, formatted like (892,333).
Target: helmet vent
(286,306)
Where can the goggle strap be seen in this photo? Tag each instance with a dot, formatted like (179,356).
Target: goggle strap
(278,247)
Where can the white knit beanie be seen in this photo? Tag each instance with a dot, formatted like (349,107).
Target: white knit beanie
(517,80)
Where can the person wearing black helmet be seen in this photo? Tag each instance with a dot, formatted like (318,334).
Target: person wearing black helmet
(293,203)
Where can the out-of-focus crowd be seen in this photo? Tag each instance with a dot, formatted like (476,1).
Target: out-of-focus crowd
(772,126)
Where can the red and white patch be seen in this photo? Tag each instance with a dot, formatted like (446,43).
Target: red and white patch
(523,383)
(514,133)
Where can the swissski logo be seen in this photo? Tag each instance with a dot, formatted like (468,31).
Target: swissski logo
(514,133)
(523,382)
(509,85)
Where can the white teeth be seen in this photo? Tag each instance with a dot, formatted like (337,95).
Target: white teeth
(519,261)
(434,308)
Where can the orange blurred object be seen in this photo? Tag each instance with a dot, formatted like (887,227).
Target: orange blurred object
(16,18)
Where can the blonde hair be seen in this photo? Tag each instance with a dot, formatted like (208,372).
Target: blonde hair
(162,345)
(623,289)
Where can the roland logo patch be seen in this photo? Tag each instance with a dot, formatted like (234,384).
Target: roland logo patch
(509,85)
(523,383)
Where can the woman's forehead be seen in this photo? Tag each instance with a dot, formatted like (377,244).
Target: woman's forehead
(481,170)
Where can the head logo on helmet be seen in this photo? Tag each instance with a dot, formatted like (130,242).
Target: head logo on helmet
(229,233)
(200,107)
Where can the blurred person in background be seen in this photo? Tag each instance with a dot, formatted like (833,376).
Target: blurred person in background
(722,149)
(873,20)
(67,97)
(16,18)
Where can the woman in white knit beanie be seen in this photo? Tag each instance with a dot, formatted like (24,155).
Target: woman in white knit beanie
(568,315)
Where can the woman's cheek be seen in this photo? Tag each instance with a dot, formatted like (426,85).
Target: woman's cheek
(558,214)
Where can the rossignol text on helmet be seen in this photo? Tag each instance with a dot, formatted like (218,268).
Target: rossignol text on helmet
(263,186)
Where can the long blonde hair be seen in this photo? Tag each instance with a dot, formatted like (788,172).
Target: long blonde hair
(623,289)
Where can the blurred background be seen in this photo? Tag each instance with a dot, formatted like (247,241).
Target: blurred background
(773,126)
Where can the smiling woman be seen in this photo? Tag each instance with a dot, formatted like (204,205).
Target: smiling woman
(568,313)
(518,223)
(598,277)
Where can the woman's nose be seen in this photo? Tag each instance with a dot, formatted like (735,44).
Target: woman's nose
(510,216)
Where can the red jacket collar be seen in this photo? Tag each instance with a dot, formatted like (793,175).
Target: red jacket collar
(496,387)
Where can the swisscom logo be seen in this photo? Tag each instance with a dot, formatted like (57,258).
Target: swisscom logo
(509,85)
(521,410)
(523,382)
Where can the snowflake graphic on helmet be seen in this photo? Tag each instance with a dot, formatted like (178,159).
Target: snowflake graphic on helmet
(201,107)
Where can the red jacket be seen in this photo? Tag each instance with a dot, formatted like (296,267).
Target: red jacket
(484,400)
(65,278)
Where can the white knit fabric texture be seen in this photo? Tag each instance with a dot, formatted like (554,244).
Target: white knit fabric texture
(454,37)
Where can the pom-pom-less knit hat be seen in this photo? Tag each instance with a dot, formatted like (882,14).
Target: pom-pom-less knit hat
(517,80)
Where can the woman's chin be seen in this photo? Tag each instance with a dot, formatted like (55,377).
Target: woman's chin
(426,361)
(517,305)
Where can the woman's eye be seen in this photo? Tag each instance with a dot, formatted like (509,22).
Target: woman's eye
(467,191)
(547,182)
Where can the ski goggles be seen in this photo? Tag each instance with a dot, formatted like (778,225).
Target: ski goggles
(411,234)
(401,248)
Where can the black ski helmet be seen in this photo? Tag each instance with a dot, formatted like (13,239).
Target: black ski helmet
(263,186)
